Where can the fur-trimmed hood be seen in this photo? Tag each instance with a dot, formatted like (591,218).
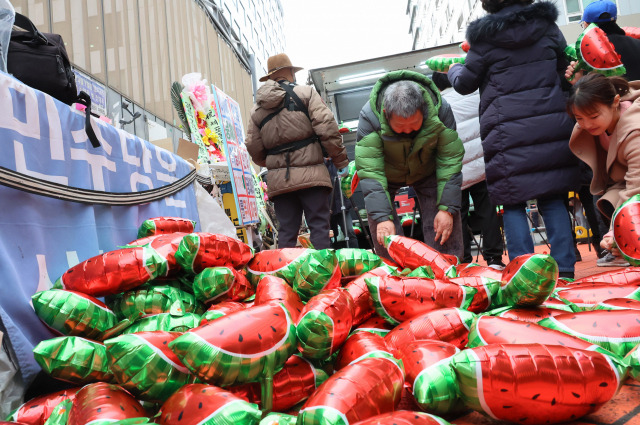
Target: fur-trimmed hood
(514,26)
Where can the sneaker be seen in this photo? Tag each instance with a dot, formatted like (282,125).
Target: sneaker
(496,265)
(611,260)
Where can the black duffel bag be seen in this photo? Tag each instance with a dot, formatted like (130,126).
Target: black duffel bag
(40,60)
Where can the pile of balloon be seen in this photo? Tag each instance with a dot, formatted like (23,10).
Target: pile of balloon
(197,329)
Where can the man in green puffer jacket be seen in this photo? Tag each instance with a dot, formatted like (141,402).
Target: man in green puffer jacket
(402,141)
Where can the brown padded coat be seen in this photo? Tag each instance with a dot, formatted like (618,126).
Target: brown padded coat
(307,167)
(616,173)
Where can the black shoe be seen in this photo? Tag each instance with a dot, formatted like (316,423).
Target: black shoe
(496,264)
(566,275)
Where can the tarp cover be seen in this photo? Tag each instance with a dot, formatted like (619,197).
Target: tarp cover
(40,236)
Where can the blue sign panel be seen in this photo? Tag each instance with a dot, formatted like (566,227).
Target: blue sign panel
(41,237)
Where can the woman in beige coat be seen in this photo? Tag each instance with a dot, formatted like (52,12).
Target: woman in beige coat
(607,138)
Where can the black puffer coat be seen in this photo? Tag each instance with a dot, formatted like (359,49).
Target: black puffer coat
(517,61)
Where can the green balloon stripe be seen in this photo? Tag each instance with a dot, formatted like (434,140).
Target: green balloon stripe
(436,390)
(322,415)
(73,359)
(212,283)
(144,370)
(354,261)
(73,314)
(153,300)
(315,335)
(164,322)
(468,369)
(373,284)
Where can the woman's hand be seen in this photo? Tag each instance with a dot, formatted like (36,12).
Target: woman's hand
(607,243)
(571,75)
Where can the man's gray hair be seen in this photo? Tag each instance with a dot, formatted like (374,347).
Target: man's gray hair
(403,98)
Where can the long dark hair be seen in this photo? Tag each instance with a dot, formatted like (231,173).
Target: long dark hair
(493,6)
(595,88)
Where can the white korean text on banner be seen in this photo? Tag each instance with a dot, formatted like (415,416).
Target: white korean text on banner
(237,157)
(41,236)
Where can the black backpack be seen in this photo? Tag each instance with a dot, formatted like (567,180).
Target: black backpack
(40,61)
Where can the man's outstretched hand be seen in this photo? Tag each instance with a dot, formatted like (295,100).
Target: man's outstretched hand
(386,228)
(443,225)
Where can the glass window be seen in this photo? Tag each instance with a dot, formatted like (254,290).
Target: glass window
(573,6)
(227,12)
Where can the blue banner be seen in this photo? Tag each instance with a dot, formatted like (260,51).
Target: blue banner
(41,237)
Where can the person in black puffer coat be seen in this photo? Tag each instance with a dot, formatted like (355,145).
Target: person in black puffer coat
(517,61)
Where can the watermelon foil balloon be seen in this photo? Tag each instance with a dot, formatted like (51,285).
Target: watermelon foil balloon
(362,345)
(617,331)
(324,323)
(200,250)
(626,228)
(73,313)
(363,304)
(446,324)
(283,263)
(272,289)
(399,298)
(441,63)
(349,183)
(568,383)
(430,376)
(114,271)
(596,53)
(319,271)
(207,405)
(294,383)
(102,403)
(487,330)
(215,284)
(529,279)
(243,346)
(37,410)
(145,366)
(404,417)
(357,392)
(216,311)
(165,225)
(410,253)
(355,261)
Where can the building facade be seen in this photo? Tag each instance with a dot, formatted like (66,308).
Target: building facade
(257,25)
(442,22)
(127,53)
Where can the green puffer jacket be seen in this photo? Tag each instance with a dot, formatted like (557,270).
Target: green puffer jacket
(383,156)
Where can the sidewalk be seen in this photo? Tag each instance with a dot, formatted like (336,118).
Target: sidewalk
(586,267)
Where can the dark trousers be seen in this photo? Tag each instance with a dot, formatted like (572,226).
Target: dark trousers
(427,192)
(314,202)
(492,245)
(338,221)
(593,216)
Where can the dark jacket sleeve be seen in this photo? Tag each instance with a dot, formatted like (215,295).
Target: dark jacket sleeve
(445,113)
(367,122)
(467,78)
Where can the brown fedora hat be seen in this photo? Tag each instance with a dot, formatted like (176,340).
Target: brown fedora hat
(278,62)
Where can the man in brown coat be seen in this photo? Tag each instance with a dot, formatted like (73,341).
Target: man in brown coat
(290,126)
